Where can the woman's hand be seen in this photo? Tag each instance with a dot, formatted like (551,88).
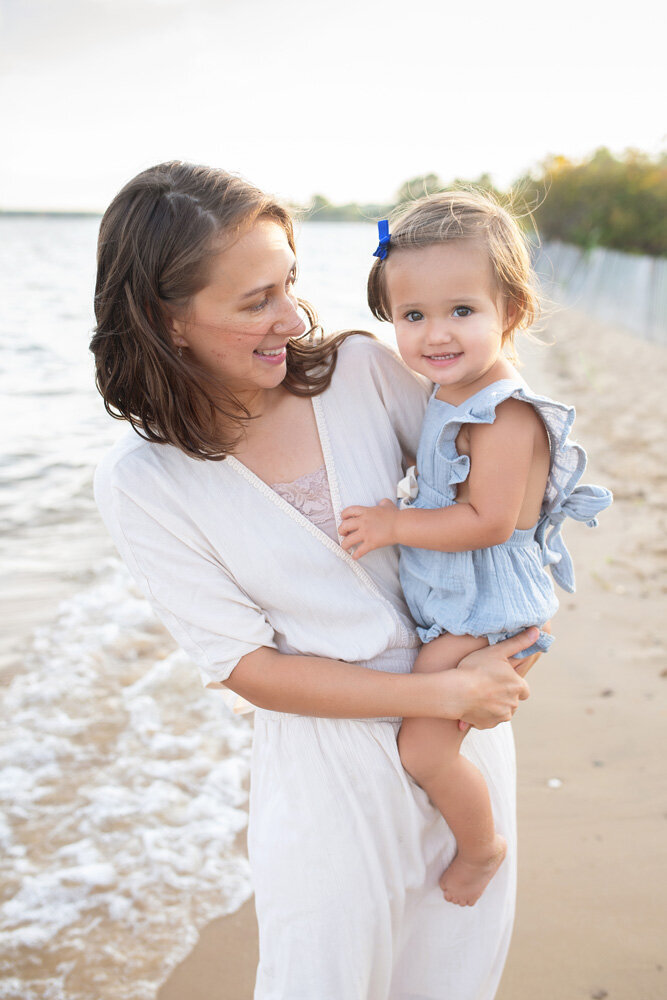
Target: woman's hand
(527,663)
(367,528)
(493,686)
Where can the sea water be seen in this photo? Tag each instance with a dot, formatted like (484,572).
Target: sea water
(123,783)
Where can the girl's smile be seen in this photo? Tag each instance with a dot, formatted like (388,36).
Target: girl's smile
(443,360)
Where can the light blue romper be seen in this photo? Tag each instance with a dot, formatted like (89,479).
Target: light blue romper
(497,591)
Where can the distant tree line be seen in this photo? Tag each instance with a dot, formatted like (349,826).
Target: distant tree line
(611,201)
(607,201)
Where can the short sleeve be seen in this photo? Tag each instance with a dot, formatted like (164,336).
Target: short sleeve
(211,618)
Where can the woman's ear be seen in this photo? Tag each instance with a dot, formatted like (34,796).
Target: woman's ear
(177,327)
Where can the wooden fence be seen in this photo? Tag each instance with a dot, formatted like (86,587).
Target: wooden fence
(627,290)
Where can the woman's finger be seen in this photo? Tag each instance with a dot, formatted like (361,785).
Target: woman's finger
(525,663)
(510,647)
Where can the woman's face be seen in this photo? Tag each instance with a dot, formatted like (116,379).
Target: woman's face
(237,327)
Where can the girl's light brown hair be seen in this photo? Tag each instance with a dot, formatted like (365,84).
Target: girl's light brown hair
(155,243)
(464,215)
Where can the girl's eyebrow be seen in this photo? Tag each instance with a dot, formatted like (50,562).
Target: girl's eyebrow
(458,299)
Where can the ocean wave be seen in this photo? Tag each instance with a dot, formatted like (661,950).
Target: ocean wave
(124,788)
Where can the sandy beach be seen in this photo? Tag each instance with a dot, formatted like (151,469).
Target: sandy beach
(591,741)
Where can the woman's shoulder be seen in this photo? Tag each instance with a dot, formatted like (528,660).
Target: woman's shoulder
(362,344)
(139,467)
(364,357)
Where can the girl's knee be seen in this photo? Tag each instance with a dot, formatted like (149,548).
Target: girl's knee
(423,756)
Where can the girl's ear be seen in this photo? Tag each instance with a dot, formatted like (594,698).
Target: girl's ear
(511,313)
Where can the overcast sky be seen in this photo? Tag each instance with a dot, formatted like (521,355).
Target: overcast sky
(346,98)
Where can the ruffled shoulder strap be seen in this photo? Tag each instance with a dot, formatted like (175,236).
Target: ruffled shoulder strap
(563,496)
(477,409)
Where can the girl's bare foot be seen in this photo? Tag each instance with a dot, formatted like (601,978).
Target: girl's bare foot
(465,880)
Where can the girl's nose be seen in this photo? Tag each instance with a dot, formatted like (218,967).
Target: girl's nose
(441,334)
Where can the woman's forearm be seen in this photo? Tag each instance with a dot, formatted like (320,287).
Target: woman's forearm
(311,685)
(484,691)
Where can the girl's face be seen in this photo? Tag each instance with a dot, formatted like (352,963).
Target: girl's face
(447,312)
(237,327)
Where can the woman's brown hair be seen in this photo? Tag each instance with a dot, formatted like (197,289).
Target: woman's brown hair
(461,215)
(155,242)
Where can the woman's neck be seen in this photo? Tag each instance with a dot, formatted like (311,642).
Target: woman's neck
(281,442)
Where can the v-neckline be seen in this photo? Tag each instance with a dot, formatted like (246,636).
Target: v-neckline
(268,491)
(325,444)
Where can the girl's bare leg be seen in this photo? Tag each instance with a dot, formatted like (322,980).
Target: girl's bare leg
(429,750)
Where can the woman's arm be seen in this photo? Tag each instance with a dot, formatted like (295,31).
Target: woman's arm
(485,689)
(501,455)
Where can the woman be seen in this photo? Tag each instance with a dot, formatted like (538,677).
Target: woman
(197,345)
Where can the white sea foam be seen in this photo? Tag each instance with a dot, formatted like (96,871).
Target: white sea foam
(123,786)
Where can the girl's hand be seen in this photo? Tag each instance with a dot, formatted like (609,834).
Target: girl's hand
(493,686)
(367,528)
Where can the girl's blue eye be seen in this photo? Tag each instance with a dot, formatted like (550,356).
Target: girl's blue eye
(260,305)
(414,316)
(462,311)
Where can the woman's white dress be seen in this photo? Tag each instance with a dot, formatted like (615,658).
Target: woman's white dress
(345,848)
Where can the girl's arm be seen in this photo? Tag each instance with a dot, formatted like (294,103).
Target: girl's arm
(501,455)
(484,690)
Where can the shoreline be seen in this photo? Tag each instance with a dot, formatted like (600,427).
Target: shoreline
(589,920)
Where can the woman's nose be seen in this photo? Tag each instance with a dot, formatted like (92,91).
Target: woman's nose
(289,322)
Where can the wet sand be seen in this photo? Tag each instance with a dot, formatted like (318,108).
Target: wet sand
(592,909)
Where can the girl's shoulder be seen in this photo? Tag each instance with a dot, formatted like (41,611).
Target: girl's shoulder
(482,406)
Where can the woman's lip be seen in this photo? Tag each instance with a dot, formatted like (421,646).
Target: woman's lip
(272,359)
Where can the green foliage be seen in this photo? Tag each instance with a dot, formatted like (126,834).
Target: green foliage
(322,210)
(419,187)
(604,200)
(620,203)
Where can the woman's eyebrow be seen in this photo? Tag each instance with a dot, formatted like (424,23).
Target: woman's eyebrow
(256,291)
(264,288)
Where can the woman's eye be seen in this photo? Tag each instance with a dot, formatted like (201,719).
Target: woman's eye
(462,311)
(260,305)
(414,316)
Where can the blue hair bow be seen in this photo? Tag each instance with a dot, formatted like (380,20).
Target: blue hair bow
(383,245)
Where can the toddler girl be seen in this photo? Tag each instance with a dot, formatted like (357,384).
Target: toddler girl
(496,477)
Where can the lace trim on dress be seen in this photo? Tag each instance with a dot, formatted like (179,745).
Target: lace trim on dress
(311,496)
